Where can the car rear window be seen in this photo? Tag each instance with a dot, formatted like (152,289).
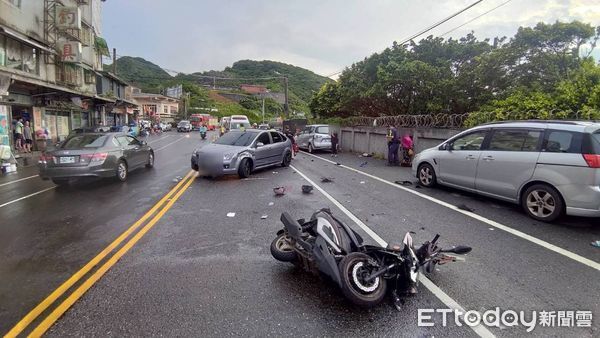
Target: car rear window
(559,141)
(322,130)
(84,141)
(591,143)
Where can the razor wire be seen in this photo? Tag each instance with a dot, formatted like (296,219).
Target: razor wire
(444,120)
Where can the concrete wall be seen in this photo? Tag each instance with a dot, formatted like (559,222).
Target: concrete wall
(373,140)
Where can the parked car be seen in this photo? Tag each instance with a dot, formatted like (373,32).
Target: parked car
(549,167)
(95,155)
(184,126)
(314,137)
(263,126)
(242,152)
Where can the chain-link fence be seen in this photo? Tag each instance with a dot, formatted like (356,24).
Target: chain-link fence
(442,120)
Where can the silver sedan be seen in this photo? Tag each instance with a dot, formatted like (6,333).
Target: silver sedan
(242,152)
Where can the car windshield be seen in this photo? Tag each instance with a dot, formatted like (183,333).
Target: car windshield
(322,130)
(239,125)
(84,141)
(237,138)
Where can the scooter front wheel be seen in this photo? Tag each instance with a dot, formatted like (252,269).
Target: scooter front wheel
(354,270)
(282,250)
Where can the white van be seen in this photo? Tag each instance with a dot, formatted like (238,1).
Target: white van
(239,122)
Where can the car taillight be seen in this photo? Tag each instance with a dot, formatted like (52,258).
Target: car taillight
(97,157)
(592,160)
(44,159)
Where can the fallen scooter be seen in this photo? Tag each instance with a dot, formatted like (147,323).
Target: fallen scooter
(325,245)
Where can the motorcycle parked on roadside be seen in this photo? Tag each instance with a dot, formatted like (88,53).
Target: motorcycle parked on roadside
(364,273)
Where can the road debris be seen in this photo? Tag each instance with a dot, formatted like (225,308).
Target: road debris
(465,207)
(596,244)
(362,182)
(491,229)
(264,217)
(275,172)
(364,164)
(405,183)
(338,163)
(326,180)
(307,189)
(177,179)
(231,214)
(279,191)
(271,204)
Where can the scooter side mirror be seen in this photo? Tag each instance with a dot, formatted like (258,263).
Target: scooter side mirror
(460,250)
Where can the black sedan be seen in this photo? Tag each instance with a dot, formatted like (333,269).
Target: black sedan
(95,155)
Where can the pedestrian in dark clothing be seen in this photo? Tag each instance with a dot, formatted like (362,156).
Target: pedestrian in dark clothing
(290,135)
(334,144)
(393,146)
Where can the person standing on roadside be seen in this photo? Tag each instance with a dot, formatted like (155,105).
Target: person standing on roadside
(393,145)
(290,135)
(28,136)
(19,135)
(334,144)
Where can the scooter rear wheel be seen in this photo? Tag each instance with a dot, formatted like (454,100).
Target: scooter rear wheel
(354,268)
(281,249)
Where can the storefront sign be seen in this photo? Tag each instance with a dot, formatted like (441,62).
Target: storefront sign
(70,51)
(68,17)
(4,137)
(37,118)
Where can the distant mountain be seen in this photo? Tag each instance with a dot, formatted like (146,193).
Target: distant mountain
(302,83)
(141,73)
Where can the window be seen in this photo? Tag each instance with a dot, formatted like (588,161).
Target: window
(69,74)
(2,51)
(84,141)
(276,137)
(562,142)
(89,77)
(514,140)
(15,55)
(166,110)
(264,138)
(470,141)
(14,58)
(322,130)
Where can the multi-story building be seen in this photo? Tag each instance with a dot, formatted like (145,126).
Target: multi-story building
(156,107)
(50,62)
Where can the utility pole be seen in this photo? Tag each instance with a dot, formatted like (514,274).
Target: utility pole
(114,65)
(263,111)
(286,106)
(214,82)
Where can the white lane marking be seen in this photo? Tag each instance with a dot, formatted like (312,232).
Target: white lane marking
(544,244)
(163,147)
(24,197)
(19,180)
(441,295)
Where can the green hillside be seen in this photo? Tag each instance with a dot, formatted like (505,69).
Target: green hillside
(141,73)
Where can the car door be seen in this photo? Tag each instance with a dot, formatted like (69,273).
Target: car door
(304,136)
(131,150)
(262,152)
(508,161)
(458,164)
(277,148)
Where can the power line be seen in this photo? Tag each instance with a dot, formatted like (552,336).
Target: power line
(429,28)
(475,18)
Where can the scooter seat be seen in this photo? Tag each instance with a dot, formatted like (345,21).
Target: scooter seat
(394,247)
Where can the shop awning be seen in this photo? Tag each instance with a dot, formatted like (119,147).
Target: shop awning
(102,46)
(26,40)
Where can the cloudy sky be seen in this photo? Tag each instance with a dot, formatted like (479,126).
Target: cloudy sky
(321,35)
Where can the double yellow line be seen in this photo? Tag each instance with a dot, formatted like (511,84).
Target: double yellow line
(158,210)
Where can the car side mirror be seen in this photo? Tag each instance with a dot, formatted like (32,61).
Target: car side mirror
(259,144)
(446,146)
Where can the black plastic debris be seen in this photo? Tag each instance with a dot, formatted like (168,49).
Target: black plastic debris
(465,208)
(279,191)
(364,164)
(405,183)
(338,163)
(307,189)
(326,180)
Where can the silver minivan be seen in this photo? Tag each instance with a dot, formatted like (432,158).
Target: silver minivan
(549,167)
(314,137)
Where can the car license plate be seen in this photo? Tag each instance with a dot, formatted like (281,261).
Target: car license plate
(67,159)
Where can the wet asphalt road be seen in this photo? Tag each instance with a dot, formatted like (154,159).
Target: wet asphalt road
(198,272)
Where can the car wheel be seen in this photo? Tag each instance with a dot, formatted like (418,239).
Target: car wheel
(245,168)
(60,181)
(121,171)
(150,162)
(310,148)
(426,175)
(287,159)
(543,203)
